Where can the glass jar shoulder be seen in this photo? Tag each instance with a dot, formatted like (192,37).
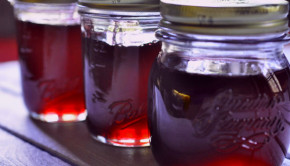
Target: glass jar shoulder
(46,13)
(120,30)
(210,58)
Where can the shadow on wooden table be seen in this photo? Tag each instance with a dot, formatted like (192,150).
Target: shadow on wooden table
(75,145)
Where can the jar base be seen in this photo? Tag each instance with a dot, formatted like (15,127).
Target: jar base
(55,118)
(122,142)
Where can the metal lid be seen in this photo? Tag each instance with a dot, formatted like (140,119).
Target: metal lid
(122,5)
(230,17)
(48,1)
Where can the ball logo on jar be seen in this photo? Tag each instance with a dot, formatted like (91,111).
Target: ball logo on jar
(123,111)
(50,89)
(235,121)
(116,1)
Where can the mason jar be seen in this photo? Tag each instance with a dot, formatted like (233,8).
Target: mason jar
(49,47)
(219,91)
(119,47)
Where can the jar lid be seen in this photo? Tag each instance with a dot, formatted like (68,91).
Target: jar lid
(225,17)
(122,5)
(48,1)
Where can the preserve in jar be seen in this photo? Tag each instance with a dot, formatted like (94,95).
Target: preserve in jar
(119,47)
(49,47)
(219,92)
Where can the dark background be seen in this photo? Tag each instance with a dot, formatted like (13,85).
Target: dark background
(8,44)
(7,28)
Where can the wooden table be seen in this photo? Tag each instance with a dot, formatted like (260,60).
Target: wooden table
(26,142)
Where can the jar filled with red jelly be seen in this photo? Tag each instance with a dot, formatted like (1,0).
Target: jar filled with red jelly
(49,47)
(219,92)
(119,47)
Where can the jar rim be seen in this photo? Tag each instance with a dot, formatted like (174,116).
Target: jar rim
(124,5)
(49,1)
(172,36)
(224,3)
(122,10)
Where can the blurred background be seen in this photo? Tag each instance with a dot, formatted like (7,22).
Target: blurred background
(8,46)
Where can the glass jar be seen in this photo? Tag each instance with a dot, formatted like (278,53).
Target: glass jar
(119,47)
(49,46)
(219,90)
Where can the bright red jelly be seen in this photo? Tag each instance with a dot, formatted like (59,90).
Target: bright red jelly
(116,80)
(219,120)
(51,71)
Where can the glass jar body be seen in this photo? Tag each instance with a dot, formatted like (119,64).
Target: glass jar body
(216,103)
(49,46)
(118,53)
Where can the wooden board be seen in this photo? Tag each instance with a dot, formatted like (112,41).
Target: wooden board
(16,152)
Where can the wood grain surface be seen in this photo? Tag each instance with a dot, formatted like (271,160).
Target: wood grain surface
(71,142)
(16,152)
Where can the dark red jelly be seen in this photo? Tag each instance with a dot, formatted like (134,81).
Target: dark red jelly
(51,71)
(219,120)
(116,80)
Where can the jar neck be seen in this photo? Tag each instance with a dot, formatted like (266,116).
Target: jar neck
(178,37)
(210,55)
(123,30)
(120,9)
(47,13)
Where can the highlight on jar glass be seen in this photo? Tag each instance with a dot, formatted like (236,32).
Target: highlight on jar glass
(49,46)
(119,47)
(219,90)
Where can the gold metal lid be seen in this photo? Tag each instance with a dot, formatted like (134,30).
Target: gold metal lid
(48,1)
(230,17)
(122,5)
